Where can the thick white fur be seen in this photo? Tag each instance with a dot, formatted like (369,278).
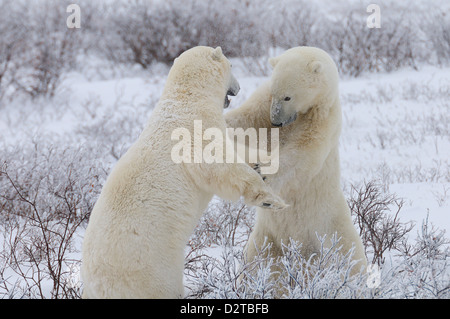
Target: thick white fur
(309,175)
(134,243)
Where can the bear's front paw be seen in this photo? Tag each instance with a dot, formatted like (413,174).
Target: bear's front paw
(269,201)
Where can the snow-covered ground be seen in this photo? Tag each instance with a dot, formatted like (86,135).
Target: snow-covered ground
(395,127)
(396,130)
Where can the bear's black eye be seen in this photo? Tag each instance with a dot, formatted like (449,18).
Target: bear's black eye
(287,98)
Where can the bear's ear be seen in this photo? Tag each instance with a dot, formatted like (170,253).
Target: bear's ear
(217,54)
(273,61)
(315,67)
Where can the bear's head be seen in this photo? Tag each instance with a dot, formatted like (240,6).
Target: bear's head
(206,71)
(302,78)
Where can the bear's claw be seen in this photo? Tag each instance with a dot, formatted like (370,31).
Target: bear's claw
(257,168)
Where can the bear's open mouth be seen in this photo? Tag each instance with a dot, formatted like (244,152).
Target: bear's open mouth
(291,119)
(227,100)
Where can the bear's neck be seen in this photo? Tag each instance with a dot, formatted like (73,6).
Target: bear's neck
(189,84)
(193,93)
(309,126)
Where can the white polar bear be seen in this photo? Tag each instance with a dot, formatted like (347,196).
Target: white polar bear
(149,206)
(302,99)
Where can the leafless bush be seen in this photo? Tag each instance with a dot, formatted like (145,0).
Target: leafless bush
(51,50)
(257,66)
(292,23)
(12,43)
(46,195)
(236,25)
(424,269)
(216,268)
(223,222)
(36,48)
(436,25)
(37,252)
(357,48)
(430,243)
(326,275)
(376,215)
(418,270)
(225,276)
(113,130)
(145,32)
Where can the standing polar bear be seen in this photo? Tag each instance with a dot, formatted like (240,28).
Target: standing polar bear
(302,99)
(149,206)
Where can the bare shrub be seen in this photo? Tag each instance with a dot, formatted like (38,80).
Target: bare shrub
(36,250)
(223,223)
(325,275)
(424,267)
(357,48)
(436,25)
(146,32)
(12,43)
(112,130)
(234,25)
(37,43)
(292,23)
(46,195)
(257,66)
(51,50)
(225,220)
(220,276)
(420,271)
(36,48)
(143,32)
(376,215)
(430,243)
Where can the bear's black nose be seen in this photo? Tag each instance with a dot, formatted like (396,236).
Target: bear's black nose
(231,92)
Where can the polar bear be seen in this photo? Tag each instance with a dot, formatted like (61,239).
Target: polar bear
(149,206)
(302,100)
